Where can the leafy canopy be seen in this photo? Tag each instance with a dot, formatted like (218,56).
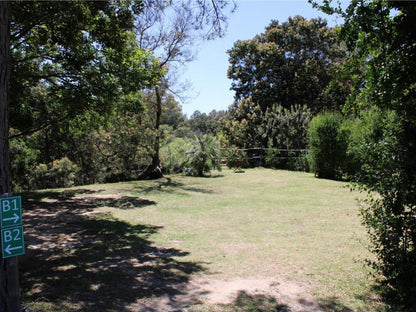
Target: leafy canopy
(289,64)
(380,37)
(71,57)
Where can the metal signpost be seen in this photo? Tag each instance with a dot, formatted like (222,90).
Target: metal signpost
(12,242)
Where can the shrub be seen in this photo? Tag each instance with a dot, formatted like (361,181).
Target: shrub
(202,156)
(286,128)
(366,133)
(59,173)
(300,163)
(389,213)
(271,159)
(22,161)
(173,155)
(328,143)
(236,158)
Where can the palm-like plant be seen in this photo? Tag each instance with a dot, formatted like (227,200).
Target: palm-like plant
(203,156)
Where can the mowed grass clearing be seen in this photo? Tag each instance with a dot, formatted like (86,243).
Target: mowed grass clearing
(259,223)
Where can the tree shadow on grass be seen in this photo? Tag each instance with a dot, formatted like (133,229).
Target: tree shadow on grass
(333,304)
(81,199)
(245,302)
(168,185)
(86,261)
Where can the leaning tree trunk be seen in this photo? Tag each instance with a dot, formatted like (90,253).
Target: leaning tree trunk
(9,277)
(154,170)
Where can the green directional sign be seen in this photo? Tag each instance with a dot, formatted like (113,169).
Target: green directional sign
(12,243)
(11,211)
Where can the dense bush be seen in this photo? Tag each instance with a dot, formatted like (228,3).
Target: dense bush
(285,128)
(300,163)
(364,131)
(236,158)
(369,151)
(202,156)
(89,155)
(23,160)
(328,142)
(389,213)
(379,36)
(59,173)
(173,155)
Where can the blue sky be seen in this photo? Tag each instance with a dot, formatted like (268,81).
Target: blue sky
(207,74)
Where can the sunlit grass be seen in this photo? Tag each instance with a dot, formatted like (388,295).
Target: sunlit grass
(259,222)
(263,222)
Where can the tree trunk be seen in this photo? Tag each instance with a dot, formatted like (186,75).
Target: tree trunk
(9,277)
(156,156)
(154,170)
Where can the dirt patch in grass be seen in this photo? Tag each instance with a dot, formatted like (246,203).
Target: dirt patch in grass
(239,295)
(260,293)
(252,294)
(225,291)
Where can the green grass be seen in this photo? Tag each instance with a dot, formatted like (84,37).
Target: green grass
(160,234)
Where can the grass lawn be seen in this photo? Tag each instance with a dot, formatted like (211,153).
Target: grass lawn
(124,246)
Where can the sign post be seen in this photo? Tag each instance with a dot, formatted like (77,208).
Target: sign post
(12,242)
(11,211)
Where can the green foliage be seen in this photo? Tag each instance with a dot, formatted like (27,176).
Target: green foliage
(201,123)
(88,154)
(173,155)
(76,65)
(285,127)
(59,173)
(73,57)
(364,131)
(23,160)
(328,143)
(202,156)
(289,64)
(380,37)
(81,79)
(297,160)
(277,128)
(240,125)
(127,146)
(271,158)
(388,211)
(171,113)
(301,162)
(236,158)
(117,151)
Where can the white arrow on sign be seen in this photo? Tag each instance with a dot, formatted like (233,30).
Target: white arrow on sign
(9,249)
(15,218)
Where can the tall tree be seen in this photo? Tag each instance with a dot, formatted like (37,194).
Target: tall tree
(74,62)
(380,37)
(71,57)
(292,63)
(240,125)
(9,282)
(63,58)
(170,29)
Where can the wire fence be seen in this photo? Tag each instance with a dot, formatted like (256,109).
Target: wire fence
(295,159)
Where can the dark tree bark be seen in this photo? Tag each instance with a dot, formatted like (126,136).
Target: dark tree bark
(154,170)
(9,281)
(157,170)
